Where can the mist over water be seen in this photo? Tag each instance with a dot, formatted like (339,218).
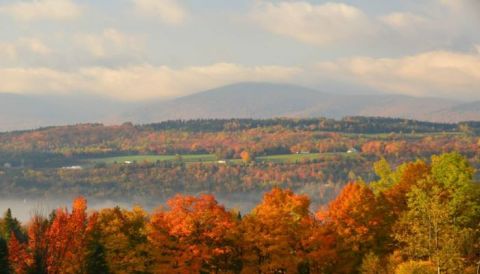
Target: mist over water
(24,209)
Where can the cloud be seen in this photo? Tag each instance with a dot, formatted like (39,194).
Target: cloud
(138,82)
(435,73)
(11,52)
(315,24)
(402,20)
(426,26)
(42,10)
(108,43)
(34,45)
(169,11)
(8,52)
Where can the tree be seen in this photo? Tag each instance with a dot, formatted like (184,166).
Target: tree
(454,174)
(96,262)
(371,264)
(425,229)
(196,235)
(358,218)
(10,225)
(4,264)
(36,249)
(384,171)
(275,233)
(415,267)
(442,212)
(18,257)
(66,239)
(247,157)
(402,181)
(123,235)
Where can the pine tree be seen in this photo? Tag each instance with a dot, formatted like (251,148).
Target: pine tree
(95,261)
(11,225)
(4,265)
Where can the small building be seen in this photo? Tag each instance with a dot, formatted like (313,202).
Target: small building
(73,167)
(352,151)
(7,165)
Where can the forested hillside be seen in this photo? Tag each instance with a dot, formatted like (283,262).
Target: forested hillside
(420,217)
(241,158)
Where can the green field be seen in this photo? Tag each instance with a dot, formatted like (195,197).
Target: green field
(153,158)
(285,158)
(196,158)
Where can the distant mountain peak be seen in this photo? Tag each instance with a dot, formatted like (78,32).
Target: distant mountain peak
(239,100)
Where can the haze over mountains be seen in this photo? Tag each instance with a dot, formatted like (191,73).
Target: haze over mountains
(243,100)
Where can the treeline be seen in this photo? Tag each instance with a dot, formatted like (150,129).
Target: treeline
(422,217)
(47,147)
(353,124)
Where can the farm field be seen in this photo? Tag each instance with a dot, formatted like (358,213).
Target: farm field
(153,158)
(204,158)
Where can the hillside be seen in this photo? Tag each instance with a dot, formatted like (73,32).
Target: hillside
(242,100)
(30,111)
(265,100)
(466,112)
(245,100)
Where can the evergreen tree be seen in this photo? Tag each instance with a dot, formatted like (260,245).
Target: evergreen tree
(96,263)
(4,266)
(11,225)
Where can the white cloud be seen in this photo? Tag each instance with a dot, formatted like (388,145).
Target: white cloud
(169,11)
(138,82)
(108,43)
(316,24)
(436,73)
(402,20)
(8,52)
(42,10)
(456,5)
(23,48)
(34,45)
(430,24)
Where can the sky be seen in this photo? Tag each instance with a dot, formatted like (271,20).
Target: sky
(136,50)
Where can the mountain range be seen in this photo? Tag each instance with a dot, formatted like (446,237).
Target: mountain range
(242,100)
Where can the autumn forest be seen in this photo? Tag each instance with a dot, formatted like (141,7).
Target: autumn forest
(358,195)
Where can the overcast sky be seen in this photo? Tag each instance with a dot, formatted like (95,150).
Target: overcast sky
(144,49)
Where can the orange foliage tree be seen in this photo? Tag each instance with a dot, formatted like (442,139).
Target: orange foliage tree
(195,235)
(357,217)
(277,234)
(18,257)
(67,239)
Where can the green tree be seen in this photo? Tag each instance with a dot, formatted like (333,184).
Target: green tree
(384,171)
(10,225)
(427,231)
(442,211)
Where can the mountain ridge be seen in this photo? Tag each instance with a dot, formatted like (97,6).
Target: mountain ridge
(241,100)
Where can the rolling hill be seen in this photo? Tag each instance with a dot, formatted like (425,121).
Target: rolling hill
(33,111)
(242,100)
(265,100)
